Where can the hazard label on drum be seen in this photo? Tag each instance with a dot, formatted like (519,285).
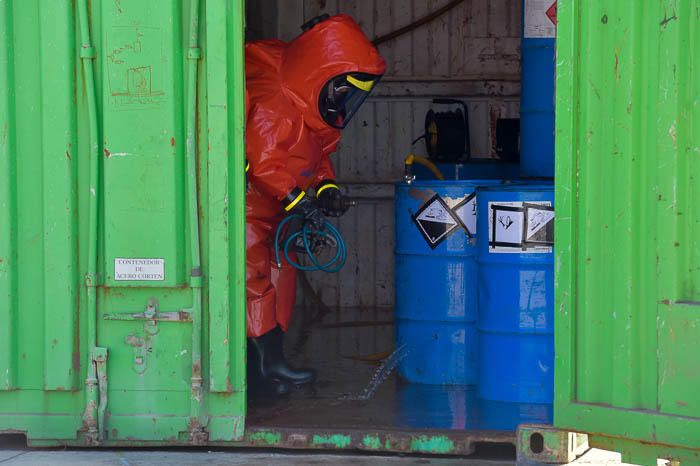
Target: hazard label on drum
(540,18)
(521,227)
(436,221)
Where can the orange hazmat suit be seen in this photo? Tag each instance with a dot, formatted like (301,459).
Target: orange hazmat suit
(291,131)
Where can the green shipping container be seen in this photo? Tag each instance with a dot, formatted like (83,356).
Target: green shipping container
(122,221)
(628,226)
(122,227)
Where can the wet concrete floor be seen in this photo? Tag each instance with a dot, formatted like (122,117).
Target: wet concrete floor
(346,346)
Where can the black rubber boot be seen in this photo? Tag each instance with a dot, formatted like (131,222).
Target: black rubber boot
(259,384)
(273,365)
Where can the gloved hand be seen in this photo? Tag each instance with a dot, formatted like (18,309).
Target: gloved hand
(330,199)
(298,202)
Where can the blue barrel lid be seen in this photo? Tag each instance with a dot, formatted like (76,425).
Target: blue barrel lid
(520,186)
(452,183)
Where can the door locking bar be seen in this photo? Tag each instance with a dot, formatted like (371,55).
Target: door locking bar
(151,313)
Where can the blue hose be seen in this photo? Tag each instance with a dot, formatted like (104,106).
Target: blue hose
(307,233)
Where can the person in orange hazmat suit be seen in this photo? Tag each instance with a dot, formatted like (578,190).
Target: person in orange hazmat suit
(301,94)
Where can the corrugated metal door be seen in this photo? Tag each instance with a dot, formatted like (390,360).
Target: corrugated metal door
(628,255)
(121,221)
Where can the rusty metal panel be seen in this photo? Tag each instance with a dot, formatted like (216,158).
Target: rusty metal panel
(628,259)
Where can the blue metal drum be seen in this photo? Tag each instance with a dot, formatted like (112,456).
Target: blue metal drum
(437,407)
(484,169)
(516,299)
(507,416)
(537,92)
(436,302)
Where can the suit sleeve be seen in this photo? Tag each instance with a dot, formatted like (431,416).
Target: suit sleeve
(267,142)
(325,171)
(330,144)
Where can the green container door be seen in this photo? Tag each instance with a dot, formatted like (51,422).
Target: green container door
(628,225)
(122,308)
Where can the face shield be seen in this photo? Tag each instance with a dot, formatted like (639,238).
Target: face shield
(343,95)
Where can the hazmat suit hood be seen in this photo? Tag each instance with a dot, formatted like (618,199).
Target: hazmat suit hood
(333,47)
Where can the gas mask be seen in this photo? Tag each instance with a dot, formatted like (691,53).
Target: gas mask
(343,95)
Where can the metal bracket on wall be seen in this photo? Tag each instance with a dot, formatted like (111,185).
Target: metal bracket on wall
(546,445)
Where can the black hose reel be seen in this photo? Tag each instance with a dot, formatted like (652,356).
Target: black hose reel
(447,133)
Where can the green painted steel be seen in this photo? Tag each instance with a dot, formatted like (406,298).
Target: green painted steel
(121,138)
(627,254)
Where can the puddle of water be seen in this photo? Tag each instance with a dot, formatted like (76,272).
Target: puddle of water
(380,375)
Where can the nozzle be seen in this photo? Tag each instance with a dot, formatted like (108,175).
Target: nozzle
(408,176)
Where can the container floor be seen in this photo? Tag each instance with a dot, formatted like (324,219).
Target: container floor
(346,347)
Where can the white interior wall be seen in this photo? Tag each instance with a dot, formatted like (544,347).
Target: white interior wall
(471,53)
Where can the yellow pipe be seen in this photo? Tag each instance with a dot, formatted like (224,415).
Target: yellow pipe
(411,159)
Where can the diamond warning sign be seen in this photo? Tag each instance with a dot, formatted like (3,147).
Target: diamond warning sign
(540,19)
(435,221)
(552,13)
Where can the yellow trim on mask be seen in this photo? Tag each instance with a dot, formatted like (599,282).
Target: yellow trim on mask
(364,85)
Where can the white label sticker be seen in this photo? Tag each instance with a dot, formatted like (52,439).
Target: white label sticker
(508,227)
(127,269)
(540,18)
(467,214)
(509,234)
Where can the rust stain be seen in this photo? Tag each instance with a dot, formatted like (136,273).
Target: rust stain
(673,133)
(107,152)
(172,142)
(494,115)
(135,341)
(421,194)
(68,155)
(229,386)
(682,404)
(115,433)
(617,64)
(667,19)
(76,360)
(88,418)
